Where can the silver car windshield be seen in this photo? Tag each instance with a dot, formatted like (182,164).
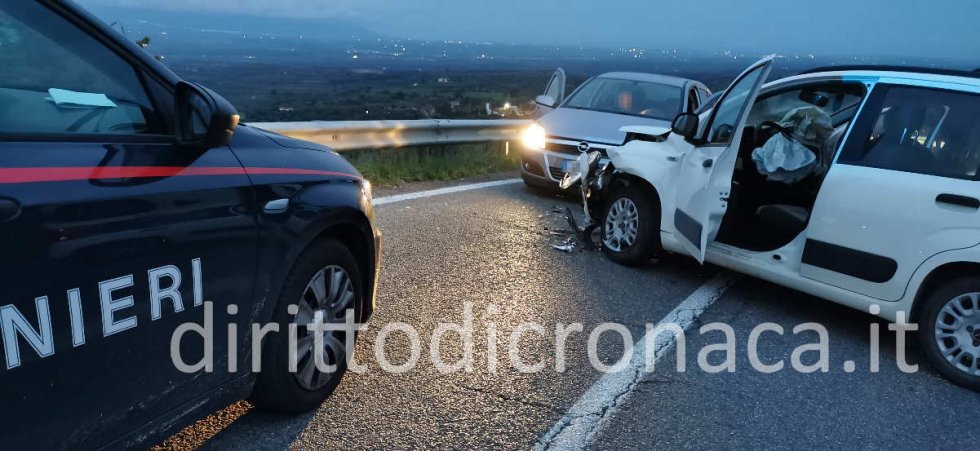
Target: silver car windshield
(631,97)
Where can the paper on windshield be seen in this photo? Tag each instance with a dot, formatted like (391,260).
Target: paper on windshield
(66,98)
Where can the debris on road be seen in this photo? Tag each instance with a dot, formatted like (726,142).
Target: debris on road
(584,231)
(547,231)
(566,246)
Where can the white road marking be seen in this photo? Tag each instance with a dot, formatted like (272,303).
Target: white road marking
(586,418)
(438,192)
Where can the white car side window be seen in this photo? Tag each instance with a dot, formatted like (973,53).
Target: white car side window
(926,131)
(722,127)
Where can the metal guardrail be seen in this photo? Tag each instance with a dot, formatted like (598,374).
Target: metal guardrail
(361,135)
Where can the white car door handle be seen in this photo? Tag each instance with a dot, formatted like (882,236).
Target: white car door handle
(958,200)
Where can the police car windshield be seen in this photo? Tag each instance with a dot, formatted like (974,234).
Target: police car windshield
(56,78)
(631,97)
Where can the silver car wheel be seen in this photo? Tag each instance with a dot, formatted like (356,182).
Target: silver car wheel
(621,226)
(326,299)
(958,333)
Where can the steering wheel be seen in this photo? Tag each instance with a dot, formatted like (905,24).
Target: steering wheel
(776,127)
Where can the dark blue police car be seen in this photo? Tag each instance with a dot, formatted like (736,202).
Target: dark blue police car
(137,215)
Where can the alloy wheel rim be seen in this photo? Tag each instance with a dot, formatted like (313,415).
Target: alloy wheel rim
(326,299)
(958,333)
(622,225)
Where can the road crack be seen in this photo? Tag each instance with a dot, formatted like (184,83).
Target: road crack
(508,398)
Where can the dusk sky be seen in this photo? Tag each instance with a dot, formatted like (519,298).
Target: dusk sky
(876,27)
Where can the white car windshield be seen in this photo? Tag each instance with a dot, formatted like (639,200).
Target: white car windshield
(632,97)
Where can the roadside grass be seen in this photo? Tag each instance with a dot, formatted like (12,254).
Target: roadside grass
(388,167)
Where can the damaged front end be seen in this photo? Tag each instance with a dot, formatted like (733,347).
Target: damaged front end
(592,178)
(595,174)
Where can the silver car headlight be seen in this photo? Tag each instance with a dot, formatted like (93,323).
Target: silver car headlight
(534,137)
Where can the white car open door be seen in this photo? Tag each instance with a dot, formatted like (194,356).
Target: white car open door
(553,94)
(705,178)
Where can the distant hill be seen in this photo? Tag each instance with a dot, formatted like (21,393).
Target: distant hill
(201,37)
(177,29)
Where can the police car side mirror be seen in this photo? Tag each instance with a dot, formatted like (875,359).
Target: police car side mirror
(205,120)
(685,125)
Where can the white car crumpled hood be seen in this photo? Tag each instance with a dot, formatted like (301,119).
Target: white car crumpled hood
(593,126)
(638,157)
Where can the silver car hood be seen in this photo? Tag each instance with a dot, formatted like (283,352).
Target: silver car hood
(592,126)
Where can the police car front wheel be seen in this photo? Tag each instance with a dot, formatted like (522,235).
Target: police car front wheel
(303,363)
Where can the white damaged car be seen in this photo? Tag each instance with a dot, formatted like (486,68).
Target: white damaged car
(857,185)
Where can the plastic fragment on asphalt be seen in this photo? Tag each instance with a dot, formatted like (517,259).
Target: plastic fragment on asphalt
(584,232)
(565,246)
(547,231)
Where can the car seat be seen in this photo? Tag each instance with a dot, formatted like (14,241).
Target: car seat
(783,212)
(827,151)
(897,147)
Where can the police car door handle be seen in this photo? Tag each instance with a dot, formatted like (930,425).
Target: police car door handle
(707,163)
(9,209)
(277,206)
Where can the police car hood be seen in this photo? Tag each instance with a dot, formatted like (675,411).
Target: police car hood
(286,141)
(593,126)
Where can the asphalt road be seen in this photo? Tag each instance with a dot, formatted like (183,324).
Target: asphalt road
(493,247)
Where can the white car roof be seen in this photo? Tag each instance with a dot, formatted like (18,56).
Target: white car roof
(653,78)
(949,79)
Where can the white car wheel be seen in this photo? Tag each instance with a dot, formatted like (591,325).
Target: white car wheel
(621,225)
(949,333)
(630,225)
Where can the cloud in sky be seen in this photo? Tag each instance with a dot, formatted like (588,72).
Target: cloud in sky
(888,27)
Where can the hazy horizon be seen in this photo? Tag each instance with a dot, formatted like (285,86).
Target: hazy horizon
(836,27)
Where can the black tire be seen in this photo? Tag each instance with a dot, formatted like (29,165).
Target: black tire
(276,387)
(647,242)
(930,313)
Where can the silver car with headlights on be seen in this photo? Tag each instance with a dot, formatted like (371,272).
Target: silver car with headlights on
(590,118)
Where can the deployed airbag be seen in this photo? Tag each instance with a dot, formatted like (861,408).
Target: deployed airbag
(811,125)
(788,159)
(783,160)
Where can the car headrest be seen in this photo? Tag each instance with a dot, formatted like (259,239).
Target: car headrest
(902,118)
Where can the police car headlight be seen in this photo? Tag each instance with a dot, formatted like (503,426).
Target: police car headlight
(534,137)
(366,189)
